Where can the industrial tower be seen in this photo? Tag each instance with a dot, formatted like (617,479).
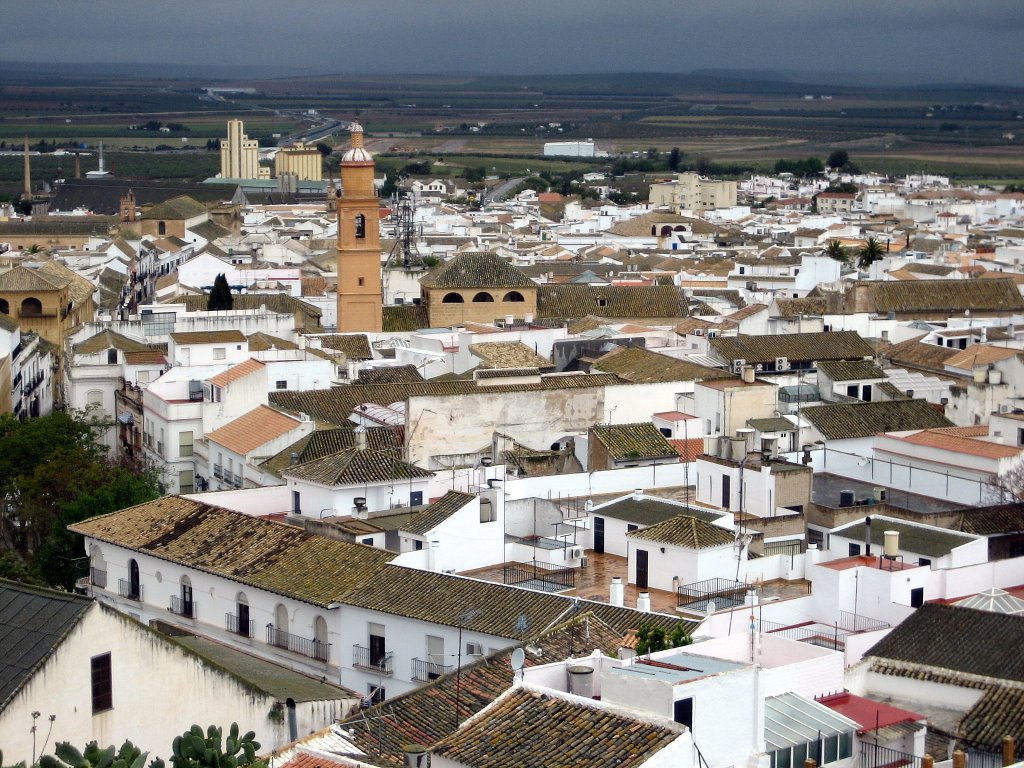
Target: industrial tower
(359,273)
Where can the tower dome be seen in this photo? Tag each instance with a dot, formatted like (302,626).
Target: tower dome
(356,153)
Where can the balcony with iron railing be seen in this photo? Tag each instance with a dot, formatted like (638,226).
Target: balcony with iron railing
(128,590)
(236,480)
(382,663)
(304,646)
(426,671)
(218,472)
(182,607)
(98,578)
(237,626)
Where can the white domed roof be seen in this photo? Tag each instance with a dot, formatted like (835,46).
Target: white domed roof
(356,153)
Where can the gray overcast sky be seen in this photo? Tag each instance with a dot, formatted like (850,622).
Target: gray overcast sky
(934,40)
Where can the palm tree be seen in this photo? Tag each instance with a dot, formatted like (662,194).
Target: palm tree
(869,253)
(836,250)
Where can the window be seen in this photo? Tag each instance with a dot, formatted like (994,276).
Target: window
(281,384)
(186,481)
(94,398)
(377,644)
(360,281)
(854,550)
(514,296)
(682,712)
(161,228)
(1020,436)
(5,308)
(184,444)
(851,390)
(102,684)
(296,503)
(415,498)
(375,693)
(917,597)
(31,308)
(923,561)
(111,357)
(452,298)
(483,296)
(417,545)
(219,353)
(360,226)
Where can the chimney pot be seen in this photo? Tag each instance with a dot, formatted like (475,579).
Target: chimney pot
(927,761)
(1009,750)
(959,759)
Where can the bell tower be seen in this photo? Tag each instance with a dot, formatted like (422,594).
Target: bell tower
(359,271)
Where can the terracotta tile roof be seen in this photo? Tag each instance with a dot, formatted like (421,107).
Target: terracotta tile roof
(405,317)
(797,307)
(476,269)
(21,278)
(209,337)
(261,342)
(253,429)
(914,353)
(834,345)
(354,467)
(938,438)
(149,357)
(334,406)
(209,230)
(851,370)
(355,346)
(686,531)
(570,301)
(979,355)
(747,311)
(324,442)
(236,372)
(688,450)
(554,732)
(391,374)
(59,225)
(110,340)
(437,512)
(629,441)
(508,354)
(641,366)
(838,421)
(80,288)
(272,556)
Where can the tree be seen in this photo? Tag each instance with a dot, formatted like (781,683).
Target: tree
(869,253)
(650,638)
(675,158)
(220,298)
(652,153)
(324,149)
(840,158)
(836,250)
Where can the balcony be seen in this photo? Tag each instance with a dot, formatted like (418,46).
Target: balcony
(236,480)
(428,670)
(128,590)
(182,607)
(218,472)
(98,578)
(304,646)
(381,663)
(237,626)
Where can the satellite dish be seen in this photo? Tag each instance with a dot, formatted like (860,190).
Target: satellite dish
(518,659)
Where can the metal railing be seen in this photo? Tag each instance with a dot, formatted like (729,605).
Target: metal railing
(382,663)
(311,648)
(875,756)
(549,577)
(129,591)
(854,622)
(698,595)
(235,626)
(813,633)
(98,578)
(217,472)
(429,670)
(183,607)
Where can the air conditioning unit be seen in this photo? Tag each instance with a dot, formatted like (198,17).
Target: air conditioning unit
(880,494)
(575,552)
(1005,407)
(474,649)
(584,562)
(781,363)
(738,365)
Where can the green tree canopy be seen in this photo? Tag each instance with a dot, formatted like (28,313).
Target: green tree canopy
(869,253)
(836,250)
(220,298)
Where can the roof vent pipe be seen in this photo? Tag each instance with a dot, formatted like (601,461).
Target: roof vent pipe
(867,535)
(643,602)
(617,592)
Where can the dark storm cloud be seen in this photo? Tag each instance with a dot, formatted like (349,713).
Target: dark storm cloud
(932,39)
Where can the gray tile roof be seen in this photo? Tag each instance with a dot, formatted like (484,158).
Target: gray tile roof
(650,511)
(33,622)
(476,269)
(920,539)
(571,301)
(642,440)
(642,366)
(355,467)
(685,531)
(852,370)
(834,345)
(437,512)
(837,421)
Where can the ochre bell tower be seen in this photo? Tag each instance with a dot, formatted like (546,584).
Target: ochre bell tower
(359,271)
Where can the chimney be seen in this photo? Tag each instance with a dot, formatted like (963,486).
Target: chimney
(617,592)
(638,494)
(643,602)
(103,165)
(26,193)
(415,756)
(810,762)
(748,374)
(294,458)
(927,761)
(360,438)
(959,759)
(867,535)
(1009,750)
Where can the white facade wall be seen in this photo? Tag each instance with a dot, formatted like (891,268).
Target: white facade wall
(149,674)
(317,500)
(463,542)
(669,567)
(185,355)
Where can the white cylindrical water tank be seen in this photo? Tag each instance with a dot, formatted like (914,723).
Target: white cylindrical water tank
(892,543)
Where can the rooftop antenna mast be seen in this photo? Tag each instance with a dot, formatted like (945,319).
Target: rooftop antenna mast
(404,230)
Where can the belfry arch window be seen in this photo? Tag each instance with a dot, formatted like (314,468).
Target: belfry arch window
(483,296)
(452,298)
(513,296)
(360,226)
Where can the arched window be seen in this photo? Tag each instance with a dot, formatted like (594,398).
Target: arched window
(240,623)
(279,631)
(360,226)
(321,648)
(97,568)
(186,605)
(161,228)
(666,231)
(513,296)
(483,296)
(5,308)
(452,298)
(134,585)
(31,307)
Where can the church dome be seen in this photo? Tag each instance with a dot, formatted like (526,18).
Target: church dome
(356,153)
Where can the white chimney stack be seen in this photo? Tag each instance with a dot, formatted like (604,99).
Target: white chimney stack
(617,592)
(643,602)
(638,494)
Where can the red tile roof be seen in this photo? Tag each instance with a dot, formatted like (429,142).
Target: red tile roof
(253,429)
(236,372)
